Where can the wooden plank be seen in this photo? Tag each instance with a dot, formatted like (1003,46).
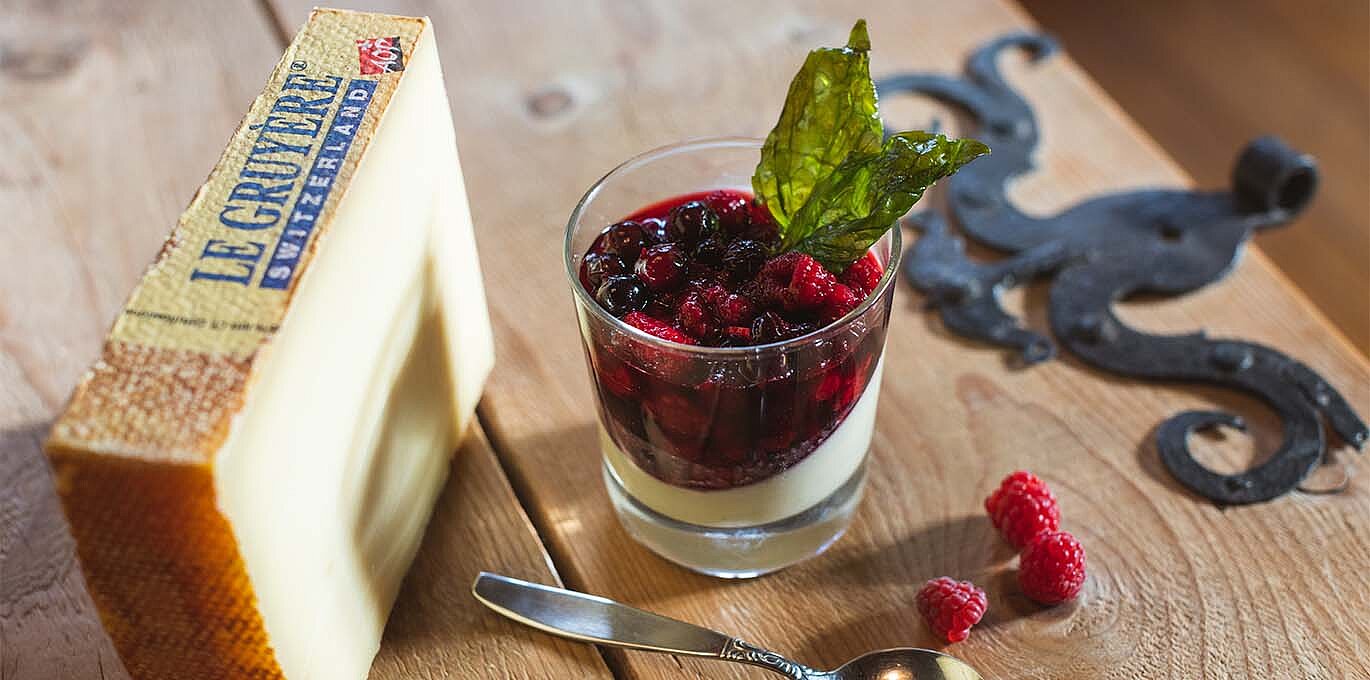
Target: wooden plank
(112,115)
(437,629)
(549,96)
(1213,77)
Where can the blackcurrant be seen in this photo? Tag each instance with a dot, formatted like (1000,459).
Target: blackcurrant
(621,294)
(625,239)
(691,222)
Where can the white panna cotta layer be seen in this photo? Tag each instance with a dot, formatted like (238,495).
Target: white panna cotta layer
(789,493)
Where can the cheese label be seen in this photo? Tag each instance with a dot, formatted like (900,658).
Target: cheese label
(223,281)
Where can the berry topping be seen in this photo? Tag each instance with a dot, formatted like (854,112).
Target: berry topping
(810,284)
(600,266)
(710,251)
(841,300)
(694,317)
(781,267)
(662,267)
(625,239)
(621,294)
(1023,507)
(1051,568)
(734,310)
(701,265)
(691,222)
(734,213)
(771,327)
(660,329)
(655,230)
(863,276)
(740,334)
(951,607)
(713,295)
(744,259)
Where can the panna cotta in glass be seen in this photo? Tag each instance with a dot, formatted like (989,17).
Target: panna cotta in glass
(733,296)
(736,387)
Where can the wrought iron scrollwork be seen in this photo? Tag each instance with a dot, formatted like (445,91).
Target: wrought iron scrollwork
(1106,248)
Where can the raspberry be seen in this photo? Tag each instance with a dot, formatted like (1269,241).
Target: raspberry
(1051,568)
(656,327)
(863,275)
(713,295)
(694,318)
(951,607)
(841,300)
(735,310)
(810,284)
(1023,507)
(781,267)
(763,292)
(616,377)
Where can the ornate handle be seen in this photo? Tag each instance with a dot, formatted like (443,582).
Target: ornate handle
(742,652)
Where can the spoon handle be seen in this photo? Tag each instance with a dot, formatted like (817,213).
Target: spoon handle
(588,618)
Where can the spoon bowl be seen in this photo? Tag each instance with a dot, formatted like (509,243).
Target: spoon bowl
(589,618)
(904,663)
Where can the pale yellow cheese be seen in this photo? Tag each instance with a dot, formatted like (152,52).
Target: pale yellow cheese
(249,467)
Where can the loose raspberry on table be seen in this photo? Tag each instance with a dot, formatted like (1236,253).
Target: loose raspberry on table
(1023,507)
(863,275)
(951,607)
(657,327)
(1051,568)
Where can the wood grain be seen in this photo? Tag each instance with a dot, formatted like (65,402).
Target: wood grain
(1205,77)
(437,630)
(113,113)
(1178,588)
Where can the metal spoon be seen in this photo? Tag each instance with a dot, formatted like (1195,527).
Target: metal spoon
(594,619)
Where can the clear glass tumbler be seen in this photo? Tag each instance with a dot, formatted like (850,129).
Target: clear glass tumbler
(732,461)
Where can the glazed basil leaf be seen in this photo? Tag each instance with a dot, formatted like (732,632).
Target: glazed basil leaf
(853,206)
(830,112)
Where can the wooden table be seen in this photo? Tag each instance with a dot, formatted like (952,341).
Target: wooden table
(113,111)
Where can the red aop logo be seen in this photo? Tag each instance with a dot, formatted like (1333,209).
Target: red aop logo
(380,55)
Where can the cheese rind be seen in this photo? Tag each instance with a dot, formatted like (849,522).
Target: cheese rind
(249,467)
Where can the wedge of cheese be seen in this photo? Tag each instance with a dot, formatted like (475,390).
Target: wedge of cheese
(249,466)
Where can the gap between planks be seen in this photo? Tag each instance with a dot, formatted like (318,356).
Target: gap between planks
(523,492)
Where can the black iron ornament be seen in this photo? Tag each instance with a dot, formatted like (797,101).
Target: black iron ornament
(1104,249)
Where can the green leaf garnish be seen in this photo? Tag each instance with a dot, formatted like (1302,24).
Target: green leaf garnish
(855,204)
(829,182)
(830,112)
